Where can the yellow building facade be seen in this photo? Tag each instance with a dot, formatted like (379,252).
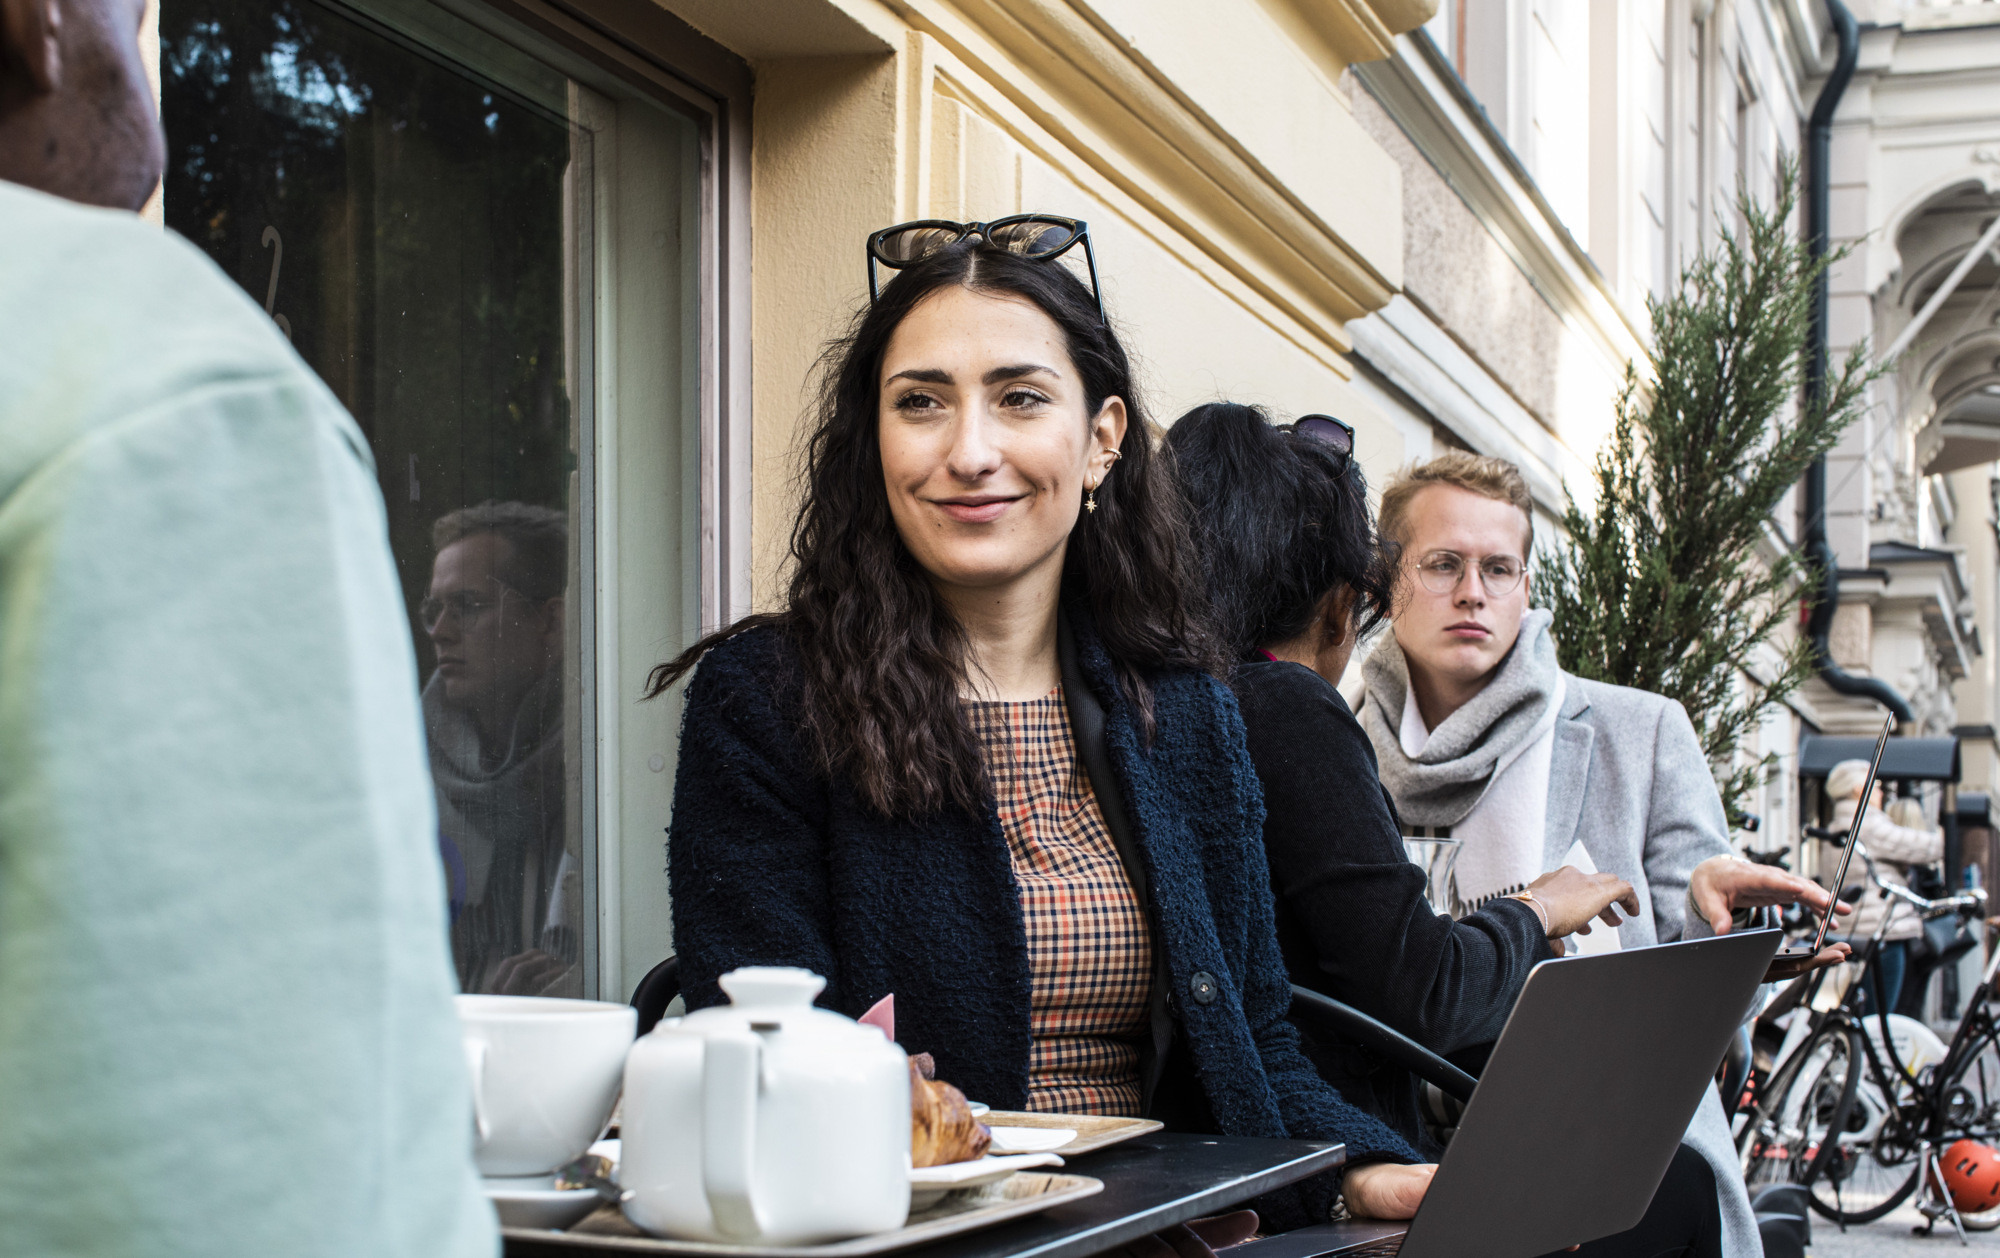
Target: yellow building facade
(571,263)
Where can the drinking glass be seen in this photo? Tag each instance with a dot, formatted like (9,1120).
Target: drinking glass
(1437,858)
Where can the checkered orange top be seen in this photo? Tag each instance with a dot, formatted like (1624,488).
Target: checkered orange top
(1089,950)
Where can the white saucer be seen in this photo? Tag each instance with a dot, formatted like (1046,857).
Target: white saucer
(978,1108)
(928,1183)
(535,1201)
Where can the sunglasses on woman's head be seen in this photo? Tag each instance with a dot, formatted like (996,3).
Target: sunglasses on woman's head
(1041,237)
(1337,435)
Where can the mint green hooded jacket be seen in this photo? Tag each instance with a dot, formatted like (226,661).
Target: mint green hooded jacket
(225,991)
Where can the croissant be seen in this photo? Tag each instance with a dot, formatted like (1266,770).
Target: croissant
(942,1126)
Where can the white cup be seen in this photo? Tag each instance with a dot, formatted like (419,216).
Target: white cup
(545,1074)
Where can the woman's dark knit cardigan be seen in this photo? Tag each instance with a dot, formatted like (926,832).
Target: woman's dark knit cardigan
(772,864)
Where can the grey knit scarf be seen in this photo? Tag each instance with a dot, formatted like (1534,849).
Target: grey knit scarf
(506,815)
(1439,786)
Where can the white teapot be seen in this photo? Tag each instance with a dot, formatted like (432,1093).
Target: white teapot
(766,1120)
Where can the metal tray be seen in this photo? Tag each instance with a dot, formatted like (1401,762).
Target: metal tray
(1092,1131)
(1023,1193)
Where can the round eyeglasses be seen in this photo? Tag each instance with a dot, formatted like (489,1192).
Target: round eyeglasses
(1442,570)
(1042,237)
(466,606)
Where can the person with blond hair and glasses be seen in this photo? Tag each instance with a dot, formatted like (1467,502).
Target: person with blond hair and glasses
(981,759)
(1483,739)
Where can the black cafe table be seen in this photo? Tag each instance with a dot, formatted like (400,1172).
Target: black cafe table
(1150,1183)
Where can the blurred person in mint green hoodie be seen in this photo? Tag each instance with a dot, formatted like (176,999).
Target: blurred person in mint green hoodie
(225,992)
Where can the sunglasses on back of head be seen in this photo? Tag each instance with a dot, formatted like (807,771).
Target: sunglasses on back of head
(1337,435)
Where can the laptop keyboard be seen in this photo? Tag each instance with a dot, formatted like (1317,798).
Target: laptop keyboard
(1387,1247)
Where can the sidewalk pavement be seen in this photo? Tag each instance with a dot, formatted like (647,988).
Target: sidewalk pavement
(1890,1237)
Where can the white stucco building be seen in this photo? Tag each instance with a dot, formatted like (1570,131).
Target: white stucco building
(1561,159)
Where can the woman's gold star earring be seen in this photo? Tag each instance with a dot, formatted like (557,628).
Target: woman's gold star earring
(1090,496)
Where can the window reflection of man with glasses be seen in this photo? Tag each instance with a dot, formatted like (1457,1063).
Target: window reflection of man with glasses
(494,711)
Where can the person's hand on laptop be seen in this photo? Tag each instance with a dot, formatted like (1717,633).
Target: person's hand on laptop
(1386,1190)
(1783,968)
(1721,885)
(1574,899)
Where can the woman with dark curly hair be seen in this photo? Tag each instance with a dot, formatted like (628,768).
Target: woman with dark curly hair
(981,759)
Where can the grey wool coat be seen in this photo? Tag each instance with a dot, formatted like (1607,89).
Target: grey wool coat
(1628,779)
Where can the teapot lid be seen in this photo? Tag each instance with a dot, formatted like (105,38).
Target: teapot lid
(763,995)
(761,986)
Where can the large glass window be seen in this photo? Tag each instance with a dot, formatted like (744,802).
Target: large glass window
(434,215)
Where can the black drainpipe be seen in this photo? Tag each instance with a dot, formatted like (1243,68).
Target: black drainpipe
(1819,141)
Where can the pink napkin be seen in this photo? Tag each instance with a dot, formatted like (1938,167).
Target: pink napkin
(882,1014)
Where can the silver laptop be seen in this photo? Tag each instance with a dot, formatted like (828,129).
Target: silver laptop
(1580,1109)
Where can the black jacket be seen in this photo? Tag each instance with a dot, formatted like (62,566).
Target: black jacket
(1352,919)
(773,864)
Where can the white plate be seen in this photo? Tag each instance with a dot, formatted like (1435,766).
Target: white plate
(977,1107)
(928,1183)
(1030,1139)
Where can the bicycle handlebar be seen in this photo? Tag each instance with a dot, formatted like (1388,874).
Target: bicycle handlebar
(1974,898)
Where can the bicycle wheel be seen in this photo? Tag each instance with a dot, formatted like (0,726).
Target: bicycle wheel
(1785,1140)
(1868,1162)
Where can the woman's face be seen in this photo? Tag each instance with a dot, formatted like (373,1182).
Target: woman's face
(987,446)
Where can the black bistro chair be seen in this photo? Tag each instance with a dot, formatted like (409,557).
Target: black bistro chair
(655,992)
(1332,1019)
(1326,1016)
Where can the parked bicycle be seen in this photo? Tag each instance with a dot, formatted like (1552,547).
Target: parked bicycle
(1854,1106)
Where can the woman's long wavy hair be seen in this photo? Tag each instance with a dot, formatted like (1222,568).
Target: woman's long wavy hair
(884,661)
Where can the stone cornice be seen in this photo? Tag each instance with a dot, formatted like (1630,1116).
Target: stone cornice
(1422,94)
(1927,581)
(1959,17)
(1357,30)
(1099,98)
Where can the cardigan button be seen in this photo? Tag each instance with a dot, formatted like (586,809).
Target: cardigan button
(1204,988)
